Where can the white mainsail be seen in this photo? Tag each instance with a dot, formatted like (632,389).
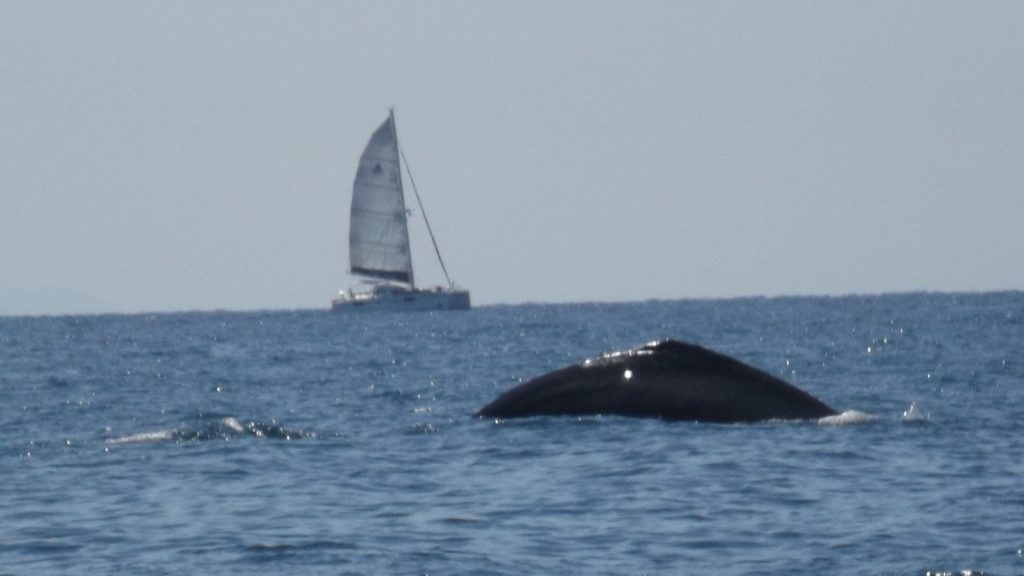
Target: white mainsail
(378,238)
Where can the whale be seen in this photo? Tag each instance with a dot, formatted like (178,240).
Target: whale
(668,380)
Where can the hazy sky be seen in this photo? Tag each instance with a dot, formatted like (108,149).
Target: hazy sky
(197,155)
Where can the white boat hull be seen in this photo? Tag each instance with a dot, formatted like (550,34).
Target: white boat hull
(401,300)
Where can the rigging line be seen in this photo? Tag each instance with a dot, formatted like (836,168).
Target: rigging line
(424,212)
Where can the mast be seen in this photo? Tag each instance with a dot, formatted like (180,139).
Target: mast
(398,151)
(419,201)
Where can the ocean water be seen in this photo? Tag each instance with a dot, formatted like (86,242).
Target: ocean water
(309,443)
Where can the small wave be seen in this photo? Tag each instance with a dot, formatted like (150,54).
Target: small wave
(846,418)
(299,547)
(455,520)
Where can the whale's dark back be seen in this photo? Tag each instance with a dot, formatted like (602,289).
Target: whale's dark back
(670,380)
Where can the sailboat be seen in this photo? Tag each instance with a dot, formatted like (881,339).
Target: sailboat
(378,238)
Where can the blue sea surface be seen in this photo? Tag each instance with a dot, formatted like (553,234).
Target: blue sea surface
(310,443)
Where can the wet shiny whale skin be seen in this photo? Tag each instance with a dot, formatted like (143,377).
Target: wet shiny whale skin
(670,380)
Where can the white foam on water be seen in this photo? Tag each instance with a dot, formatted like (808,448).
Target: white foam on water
(914,414)
(158,436)
(233,424)
(846,418)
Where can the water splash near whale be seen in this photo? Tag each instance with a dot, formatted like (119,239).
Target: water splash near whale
(224,428)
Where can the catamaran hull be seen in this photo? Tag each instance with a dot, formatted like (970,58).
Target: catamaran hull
(417,300)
